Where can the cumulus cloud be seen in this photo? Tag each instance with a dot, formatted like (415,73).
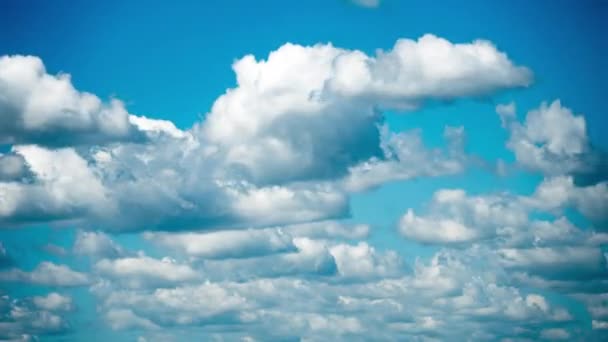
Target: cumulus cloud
(96,244)
(180,305)
(552,140)
(557,262)
(22,321)
(228,244)
(459,219)
(120,319)
(406,157)
(46,109)
(561,192)
(456,218)
(144,271)
(444,293)
(282,150)
(340,88)
(53,302)
(47,274)
(64,187)
(273,150)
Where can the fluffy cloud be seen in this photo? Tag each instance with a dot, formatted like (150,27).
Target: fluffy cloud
(273,150)
(53,302)
(444,293)
(324,120)
(283,150)
(457,218)
(144,271)
(96,244)
(561,192)
(19,320)
(119,319)
(47,274)
(552,140)
(65,187)
(180,305)
(363,261)
(406,157)
(46,109)
(228,244)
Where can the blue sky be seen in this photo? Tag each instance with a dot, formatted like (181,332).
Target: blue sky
(313,170)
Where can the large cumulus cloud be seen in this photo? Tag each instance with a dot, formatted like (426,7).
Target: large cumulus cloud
(298,132)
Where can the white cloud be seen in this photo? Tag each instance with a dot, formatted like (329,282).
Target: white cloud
(340,88)
(561,192)
(228,244)
(145,271)
(96,244)
(329,230)
(47,274)
(556,262)
(53,302)
(46,109)
(258,156)
(119,319)
(552,140)
(457,218)
(363,261)
(64,187)
(180,305)
(554,334)
(20,321)
(406,157)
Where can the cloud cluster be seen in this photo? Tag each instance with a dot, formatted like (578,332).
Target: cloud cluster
(283,146)
(23,319)
(238,212)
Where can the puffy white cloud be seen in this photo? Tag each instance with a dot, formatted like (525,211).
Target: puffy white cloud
(47,274)
(561,192)
(97,244)
(53,302)
(119,319)
(20,321)
(552,140)
(557,262)
(329,230)
(142,271)
(406,157)
(457,218)
(180,305)
(258,156)
(363,261)
(482,300)
(64,187)
(446,293)
(554,334)
(46,109)
(340,88)
(228,244)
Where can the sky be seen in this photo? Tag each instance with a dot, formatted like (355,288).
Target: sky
(303,170)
